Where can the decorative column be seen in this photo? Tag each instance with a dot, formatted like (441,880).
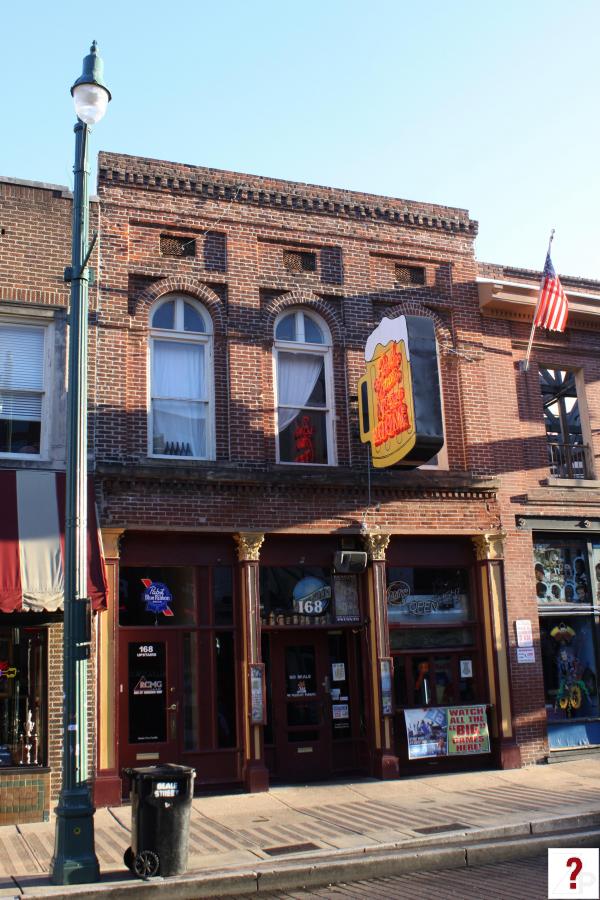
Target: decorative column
(489,550)
(107,786)
(384,759)
(256,774)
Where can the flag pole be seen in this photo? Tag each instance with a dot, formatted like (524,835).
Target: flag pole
(525,367)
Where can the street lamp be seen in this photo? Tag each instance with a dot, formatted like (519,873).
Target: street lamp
(74,860)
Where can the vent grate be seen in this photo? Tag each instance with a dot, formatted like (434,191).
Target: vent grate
(440,829)
(289,848)
(298,261)
(177,246)
(409,275)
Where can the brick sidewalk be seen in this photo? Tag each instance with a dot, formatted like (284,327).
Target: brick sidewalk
(290,822)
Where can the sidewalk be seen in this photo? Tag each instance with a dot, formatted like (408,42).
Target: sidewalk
(328,825)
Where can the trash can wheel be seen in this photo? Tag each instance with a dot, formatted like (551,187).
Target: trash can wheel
(128,858)
(146,864)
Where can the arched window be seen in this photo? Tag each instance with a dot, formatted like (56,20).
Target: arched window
(181,379)
(304,389)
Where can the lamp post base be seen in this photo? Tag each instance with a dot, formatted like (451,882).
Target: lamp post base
(74,860)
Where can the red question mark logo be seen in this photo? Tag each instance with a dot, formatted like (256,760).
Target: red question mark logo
(577,867)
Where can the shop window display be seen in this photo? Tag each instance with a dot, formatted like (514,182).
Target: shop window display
(23,704)
(561,571)
(433,637)
(570,669)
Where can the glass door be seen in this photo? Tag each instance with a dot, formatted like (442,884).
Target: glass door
(150,697)
(301,705)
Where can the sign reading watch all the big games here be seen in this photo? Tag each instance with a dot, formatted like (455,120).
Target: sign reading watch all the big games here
(400,409)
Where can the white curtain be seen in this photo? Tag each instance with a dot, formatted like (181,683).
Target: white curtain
(179,404)
(297,374)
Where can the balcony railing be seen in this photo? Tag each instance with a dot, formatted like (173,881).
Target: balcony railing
(569,460)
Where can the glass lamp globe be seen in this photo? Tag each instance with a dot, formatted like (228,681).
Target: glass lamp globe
(91,102)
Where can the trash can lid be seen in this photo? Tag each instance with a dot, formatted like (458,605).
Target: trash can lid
(157,773)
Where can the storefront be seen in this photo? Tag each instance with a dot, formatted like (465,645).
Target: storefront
(313,647)
(441,700)
(191,689)
(565,579)
(256,660)
(31,600)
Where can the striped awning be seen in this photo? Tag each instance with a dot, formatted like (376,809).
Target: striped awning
(32,543)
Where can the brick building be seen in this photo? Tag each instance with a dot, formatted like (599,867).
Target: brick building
(228,339)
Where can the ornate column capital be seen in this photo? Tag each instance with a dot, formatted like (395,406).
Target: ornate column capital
(248,545)
(489,545)
(376,543)
(111,542)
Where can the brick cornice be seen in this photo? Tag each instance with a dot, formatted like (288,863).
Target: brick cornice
(220,476)
(138,173)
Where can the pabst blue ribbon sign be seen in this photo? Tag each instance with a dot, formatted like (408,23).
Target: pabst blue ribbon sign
(399,401)
(157,597)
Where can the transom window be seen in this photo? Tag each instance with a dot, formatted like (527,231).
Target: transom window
(181,391)
(304,389)
(22,365)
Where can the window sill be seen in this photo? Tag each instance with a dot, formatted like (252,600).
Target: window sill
(552,481)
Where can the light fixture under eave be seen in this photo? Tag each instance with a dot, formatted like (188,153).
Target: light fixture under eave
(90,94)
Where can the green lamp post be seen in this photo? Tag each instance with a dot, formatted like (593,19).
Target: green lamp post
(74,860)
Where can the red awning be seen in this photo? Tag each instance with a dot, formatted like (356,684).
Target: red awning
(32,543)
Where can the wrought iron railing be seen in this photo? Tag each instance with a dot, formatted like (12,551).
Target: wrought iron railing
(569,460)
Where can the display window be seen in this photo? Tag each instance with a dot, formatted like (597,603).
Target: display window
(23,689)
(433,637)
(307,596)
(569,659)
(561,571)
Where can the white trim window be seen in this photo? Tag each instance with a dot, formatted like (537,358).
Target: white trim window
(304,389)
(181,379)
(23,373)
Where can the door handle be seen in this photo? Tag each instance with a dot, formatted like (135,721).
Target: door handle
(174,707)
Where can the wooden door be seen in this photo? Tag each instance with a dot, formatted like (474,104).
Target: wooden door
(301,705)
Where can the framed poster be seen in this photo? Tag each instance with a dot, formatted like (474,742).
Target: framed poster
(385,672)
(258,704)
(345,591)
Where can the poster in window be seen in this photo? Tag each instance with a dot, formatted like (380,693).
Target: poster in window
(147,693)
(385,669)
(446,731)
(345,589)
(258,713)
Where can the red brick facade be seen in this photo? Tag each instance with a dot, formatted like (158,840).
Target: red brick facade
(492,476)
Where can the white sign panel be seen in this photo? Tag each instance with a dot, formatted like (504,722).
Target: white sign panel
(524,633)
(525,654)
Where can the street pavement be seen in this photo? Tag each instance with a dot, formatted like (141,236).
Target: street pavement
(309,835)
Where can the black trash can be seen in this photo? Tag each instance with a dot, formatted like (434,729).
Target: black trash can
(161,800)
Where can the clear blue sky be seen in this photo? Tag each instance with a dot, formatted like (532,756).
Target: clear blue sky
(488,106)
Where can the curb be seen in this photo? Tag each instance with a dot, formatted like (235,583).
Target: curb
(313,871)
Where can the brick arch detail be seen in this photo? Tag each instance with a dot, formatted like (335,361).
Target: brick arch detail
(415,308)
(302,297)
(182,285)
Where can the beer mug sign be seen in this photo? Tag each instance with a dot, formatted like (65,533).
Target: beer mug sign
(400,409)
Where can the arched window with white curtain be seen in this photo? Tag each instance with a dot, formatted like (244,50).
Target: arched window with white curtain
(181,379)
(304,389)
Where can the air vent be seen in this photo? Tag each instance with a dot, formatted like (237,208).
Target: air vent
(409,275)
(298,261)
(177,246)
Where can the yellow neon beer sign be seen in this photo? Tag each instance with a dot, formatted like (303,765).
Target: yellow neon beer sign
(399,396)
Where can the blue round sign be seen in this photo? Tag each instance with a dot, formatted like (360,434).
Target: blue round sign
(157,597)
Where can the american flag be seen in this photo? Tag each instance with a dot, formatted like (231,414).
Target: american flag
(553,308)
